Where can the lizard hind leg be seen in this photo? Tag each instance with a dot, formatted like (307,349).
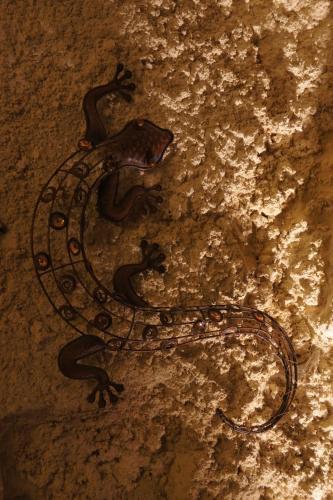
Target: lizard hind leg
(153,256)
(69,364)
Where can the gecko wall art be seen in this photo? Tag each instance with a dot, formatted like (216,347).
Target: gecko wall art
(120,318)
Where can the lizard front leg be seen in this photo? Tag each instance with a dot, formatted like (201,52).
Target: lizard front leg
(69,365)
(136,197)
(152,258)
(95,130)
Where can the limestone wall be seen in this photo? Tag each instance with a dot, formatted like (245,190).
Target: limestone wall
(247,88)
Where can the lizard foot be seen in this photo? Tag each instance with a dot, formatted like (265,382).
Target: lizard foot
(123,89)
(101,388)
(150,200)
(153,256)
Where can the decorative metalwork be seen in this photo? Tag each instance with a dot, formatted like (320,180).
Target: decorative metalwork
(82,300)
(81,170)
(67,283)
(58,221)
(74,246)
(99,294)
(149,332)
(166,345)
(42,261)
(68,312)
(215,315)
(166,318)
(103,321)
(48,195)
(199,327)
(80,196)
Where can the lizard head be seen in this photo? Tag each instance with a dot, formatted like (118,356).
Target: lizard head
(140,144)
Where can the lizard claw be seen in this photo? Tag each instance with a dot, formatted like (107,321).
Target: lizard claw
(130,87)
(143,245)
(153,256)
(126,97)
(100,388)
(123,90)
(155,263)
(150,200)
(119,69)
(127,74)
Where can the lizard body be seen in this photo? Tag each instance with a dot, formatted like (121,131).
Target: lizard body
(123,315)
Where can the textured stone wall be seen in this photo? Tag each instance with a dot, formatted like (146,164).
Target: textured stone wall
(247,89)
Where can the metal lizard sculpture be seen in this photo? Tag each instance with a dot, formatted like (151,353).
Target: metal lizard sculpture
(140,145)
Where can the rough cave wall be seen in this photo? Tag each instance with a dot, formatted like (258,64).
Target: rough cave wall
(246,87)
